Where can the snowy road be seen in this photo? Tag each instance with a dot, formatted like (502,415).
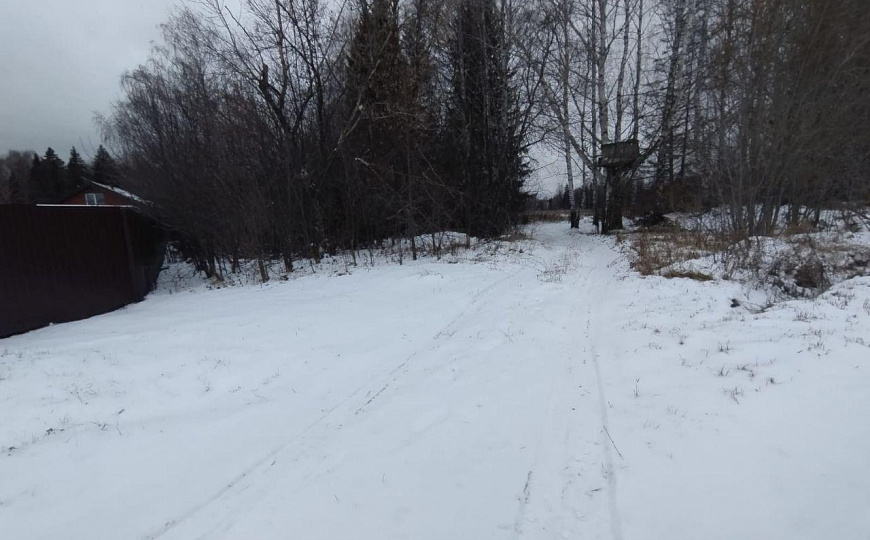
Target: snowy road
(541,391)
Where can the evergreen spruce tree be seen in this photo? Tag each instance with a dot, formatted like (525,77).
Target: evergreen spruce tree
(40,183)
(104,169)
(76,170)
(377,92)
(16,194)
(52,160)
(53,177)
(35,169)
(483,126)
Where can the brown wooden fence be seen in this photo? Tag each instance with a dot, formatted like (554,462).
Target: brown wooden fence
(64,263)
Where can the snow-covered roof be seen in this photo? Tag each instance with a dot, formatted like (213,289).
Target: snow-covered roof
(121,192)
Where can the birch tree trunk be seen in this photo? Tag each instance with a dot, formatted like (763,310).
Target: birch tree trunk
(638,63)
(620,80)
(566,112)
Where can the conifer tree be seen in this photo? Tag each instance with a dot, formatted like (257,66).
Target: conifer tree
(483,126)
(54,176)
(47,177)
(104,169)
(377,89)
(16,194)
(76,170)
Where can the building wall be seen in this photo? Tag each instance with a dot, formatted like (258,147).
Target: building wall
(64,263)
(111,198)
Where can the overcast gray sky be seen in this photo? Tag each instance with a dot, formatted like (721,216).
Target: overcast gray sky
(61,62)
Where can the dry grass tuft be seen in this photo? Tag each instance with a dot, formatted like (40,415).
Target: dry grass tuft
(803,227)
(656,249)
(689,274)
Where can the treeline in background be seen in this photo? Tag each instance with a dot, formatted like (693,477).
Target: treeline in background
(291,129)
(28,178)
(286,129)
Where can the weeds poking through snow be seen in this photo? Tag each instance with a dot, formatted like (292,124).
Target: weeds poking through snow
(748,370)
(722,371)
(818,345)
(734,393)
(118,422)
(803,316)
(554,271)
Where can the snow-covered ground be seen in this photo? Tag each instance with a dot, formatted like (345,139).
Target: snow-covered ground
(538,390)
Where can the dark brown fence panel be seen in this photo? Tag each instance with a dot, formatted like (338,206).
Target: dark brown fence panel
(64,263)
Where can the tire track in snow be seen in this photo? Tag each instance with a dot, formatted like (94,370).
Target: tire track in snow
(610,471)
(546,446)
(475,298)
(394,373)
(233,496)
(606,441)
(248,471)
(552,455)
(374,391)
(474,307)
(556,469)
